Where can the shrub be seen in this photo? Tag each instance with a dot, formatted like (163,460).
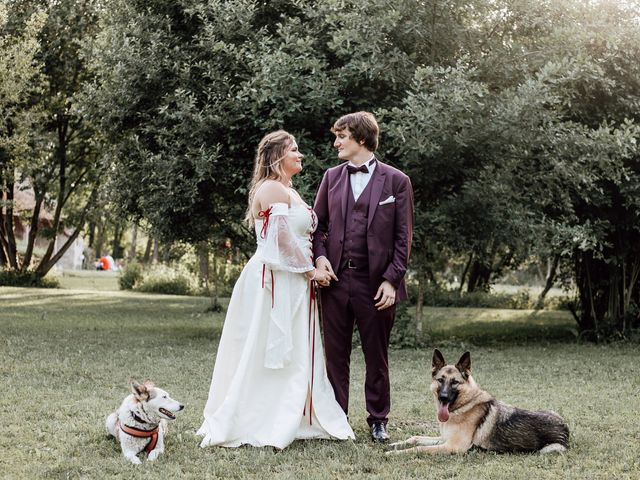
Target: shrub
(170,280)
(226,277)
(167,280)
(403,333)
(11,278)
(177,285)
(521,300)
(130,276)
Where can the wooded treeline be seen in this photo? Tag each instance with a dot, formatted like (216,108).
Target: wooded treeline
(515,119)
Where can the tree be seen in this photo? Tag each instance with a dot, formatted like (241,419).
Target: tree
(49,148)
(531,166)
(20,79)
(515,121)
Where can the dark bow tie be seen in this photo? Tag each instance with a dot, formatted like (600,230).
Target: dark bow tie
(362,168)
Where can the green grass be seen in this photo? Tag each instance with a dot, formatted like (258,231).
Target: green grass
(89,280)
(66,357)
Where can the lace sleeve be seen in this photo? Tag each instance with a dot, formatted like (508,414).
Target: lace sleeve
(281,250)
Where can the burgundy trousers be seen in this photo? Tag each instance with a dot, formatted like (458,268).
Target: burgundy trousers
(345,304)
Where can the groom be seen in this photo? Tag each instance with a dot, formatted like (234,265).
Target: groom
(363,239)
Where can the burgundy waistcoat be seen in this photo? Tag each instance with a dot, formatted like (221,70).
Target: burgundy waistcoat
(355,228)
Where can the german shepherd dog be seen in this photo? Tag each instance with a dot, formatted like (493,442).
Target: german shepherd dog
(471,417)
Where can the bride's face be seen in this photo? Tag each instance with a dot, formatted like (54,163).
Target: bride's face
(292,161)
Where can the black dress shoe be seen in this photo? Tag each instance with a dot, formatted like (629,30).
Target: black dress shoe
(379,432)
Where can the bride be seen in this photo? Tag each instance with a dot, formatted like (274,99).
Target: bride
(269,384)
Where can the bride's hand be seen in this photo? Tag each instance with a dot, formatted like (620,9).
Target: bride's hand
(321,277)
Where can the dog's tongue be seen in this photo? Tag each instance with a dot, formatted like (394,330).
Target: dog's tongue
(443,412)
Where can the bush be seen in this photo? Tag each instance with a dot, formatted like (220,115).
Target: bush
(130,276)
(521,300)
(158,279)
(403,333)
(167,280)
(225,277)
(11,278)
(177,285)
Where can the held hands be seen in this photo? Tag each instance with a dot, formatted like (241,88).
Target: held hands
(325,272)
(321,277)
(386,294)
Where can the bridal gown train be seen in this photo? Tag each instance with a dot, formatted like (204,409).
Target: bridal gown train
(269,384)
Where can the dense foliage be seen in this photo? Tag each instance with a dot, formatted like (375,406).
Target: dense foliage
(48,148)
(516,122)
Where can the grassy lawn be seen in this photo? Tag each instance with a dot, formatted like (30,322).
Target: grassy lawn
(66,356)
(89,280)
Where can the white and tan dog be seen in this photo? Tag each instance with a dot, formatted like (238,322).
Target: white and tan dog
(141,421)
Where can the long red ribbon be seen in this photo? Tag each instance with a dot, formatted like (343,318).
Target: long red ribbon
(312,319)
(265,214)
(273,284)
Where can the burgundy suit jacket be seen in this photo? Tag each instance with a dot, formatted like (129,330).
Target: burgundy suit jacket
(389,226)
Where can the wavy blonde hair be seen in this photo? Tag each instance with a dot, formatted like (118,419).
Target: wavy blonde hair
(268,163)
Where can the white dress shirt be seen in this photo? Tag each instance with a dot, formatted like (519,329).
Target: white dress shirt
(359,180)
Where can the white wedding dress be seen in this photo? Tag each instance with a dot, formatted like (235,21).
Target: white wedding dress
(269,384)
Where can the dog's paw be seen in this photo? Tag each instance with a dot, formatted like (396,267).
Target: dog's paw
(154,455)
(135,460)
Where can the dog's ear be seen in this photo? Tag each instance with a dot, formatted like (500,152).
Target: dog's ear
(139,390)
(437,362)
(464,365)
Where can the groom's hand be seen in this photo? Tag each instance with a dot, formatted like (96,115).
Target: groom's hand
(322,263)
(386,294)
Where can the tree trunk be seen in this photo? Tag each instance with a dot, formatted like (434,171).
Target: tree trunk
(61,156)
(134,240)
(479,277)
(147,251)
(552,267)
(156,251)
(33,231)
(44,266)
(100,239)
(419,308)
(463,276)
(629,288)
(215,300)
(4,245)
(203,263)
(115,243)
(92,233)
(603,288)
(7,230)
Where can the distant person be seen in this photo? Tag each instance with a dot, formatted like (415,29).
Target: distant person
(269,384)
(363,240)
(106,262)
(103,263)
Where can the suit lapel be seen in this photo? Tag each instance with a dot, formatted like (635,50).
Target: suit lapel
(346,186)
(376,190)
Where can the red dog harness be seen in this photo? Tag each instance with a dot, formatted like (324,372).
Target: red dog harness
(138,433)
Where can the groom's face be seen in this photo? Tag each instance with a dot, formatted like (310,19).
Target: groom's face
(348,148)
